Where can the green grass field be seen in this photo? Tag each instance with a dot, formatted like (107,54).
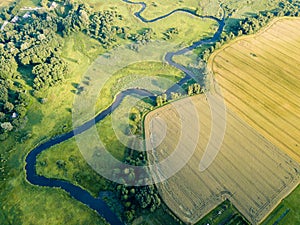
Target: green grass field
(159,217)
(225,213)
(289,205)
(22,3)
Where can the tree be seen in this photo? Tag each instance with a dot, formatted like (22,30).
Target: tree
(190,90)
(159,100)
(129,215)
(218,45)
(136,116)
(3,93)
(164,97)
(2,115)
(8,106)
(6,126)
(197,88)
(206,54)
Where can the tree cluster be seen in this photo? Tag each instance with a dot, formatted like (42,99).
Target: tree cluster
(175,95)
(138,198)
(136,123)
(143,37)
(98,25)
(13,103)
(161,99)
(170,33)
(49,73)
(102,27)
(8,64)
(194,89)
(33,43)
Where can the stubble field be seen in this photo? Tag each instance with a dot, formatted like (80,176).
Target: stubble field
(249,170)
(257,165)
(260,80)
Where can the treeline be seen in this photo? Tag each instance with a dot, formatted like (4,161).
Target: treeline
(135,199)
(192,89)
(251,25)
(13,107)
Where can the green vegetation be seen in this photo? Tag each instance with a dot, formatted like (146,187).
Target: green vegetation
(43,55)
(160,216)
(4,3)
(44,121)
(161,74)
(225,213)
(23,206)
(65,162)
(116,126)
(240,8)
(48,115)
(66,157)
(287,212)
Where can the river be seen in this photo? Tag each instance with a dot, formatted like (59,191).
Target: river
(77,192)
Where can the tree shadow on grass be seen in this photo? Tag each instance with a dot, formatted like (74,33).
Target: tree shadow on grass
(26,74)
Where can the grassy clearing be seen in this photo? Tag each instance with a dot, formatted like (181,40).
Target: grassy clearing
(191,28)
(245,8)
(130,76)
(248,170)
(291,205)
(29,3)
(107,128)
(160,216)
(22,3)
(114,130)
(75,168)
(31,205)
(259,77)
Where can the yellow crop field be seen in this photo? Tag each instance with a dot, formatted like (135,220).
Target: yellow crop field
(249,170)
(258,163)
(5,3)
(260,80)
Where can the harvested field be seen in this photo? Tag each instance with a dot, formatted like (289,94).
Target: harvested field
(255,168)
(4,3)
(249,170)
(260,80)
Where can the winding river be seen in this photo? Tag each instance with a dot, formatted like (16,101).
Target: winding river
(77,192)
